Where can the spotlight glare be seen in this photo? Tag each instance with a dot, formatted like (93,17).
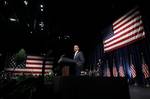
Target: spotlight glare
(25,2)
(13,19)
(5,3)
(42,10)
(41,6)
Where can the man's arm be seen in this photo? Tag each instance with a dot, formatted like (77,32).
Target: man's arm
(81,59)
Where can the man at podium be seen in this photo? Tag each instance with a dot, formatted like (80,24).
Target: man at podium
(72,66)
(79,59)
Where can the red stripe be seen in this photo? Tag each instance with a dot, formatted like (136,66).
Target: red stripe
(137,21)
(30,63)
(115,74)
(27,72)
(138,15)
(126,16)
(34,63)
(145,71)
(108,72)
(133,72)
(35,59)
(121,71)
(125,33)
(38,68)
(124,44)
(139,32)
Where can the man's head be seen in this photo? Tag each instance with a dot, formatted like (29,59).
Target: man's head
(76,48)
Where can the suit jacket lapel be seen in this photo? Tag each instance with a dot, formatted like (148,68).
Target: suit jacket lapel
(76,55)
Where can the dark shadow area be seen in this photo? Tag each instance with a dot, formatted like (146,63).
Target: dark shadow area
(65,88)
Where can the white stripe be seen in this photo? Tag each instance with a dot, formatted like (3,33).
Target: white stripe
(35,57)
(125,15)
(127,19)
(31,65)
(125,36)
(34,74)
(127,24)
(34,61)
(49,66)
(48,62)
(127,29)
(125,42)
(27,70)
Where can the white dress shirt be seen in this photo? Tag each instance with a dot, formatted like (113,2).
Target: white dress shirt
(75,54)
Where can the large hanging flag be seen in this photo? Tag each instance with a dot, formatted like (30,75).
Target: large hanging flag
(32,65)
(121,69)
(115,72)
(126,30)
(145,68)
(132,68)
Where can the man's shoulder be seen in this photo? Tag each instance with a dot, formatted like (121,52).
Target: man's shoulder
(80,52)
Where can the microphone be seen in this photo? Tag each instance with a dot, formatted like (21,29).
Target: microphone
(61,58)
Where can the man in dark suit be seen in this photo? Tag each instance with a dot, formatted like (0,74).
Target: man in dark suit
(75,64)
(79,59)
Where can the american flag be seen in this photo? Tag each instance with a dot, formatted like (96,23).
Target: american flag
(121,71)
(126,30)
(133,71)
(145,71)
(32,65)
(115,73)
(145,68)
(132,68)
(107,70)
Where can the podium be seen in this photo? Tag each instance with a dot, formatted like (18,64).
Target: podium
(67,66)
(65,71)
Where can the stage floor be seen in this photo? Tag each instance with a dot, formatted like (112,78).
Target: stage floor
(137,92)
(33,88)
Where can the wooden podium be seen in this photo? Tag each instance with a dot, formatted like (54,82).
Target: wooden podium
(65,71)
(67,66)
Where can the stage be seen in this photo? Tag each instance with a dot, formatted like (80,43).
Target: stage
(71,88)
(139,92)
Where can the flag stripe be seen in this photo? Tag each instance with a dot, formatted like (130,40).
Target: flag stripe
(38,68)
(27,70)
(115,73)
(126,42)
(127,29)
(133,72)
(37,64)
(33,65)
(121,71)
(129,24)
(35,57)
(135,16)
(145,70)
(34,61)
(125,37)
(126,15)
